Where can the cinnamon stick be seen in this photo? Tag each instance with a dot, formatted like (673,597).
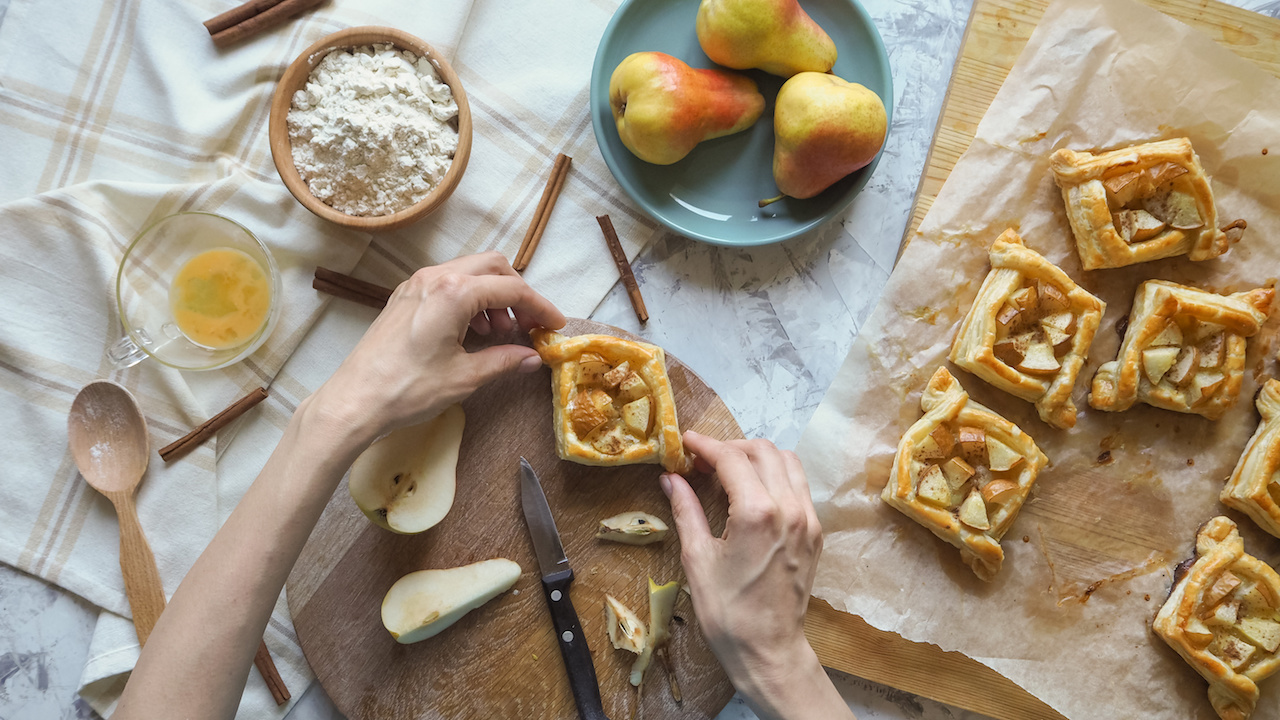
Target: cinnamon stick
(238,14)
(267,666)
(624,267)
(559,171)
(348,288)
(210,427)
(253,18)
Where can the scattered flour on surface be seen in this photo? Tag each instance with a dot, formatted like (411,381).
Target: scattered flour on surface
(370,132)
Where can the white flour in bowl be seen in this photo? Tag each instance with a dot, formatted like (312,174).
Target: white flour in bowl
(370,132)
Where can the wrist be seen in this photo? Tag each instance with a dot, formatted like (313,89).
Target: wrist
(790,685)
(338,425)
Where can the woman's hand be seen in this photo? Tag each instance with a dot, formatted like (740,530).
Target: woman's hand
(410,364)
(751,585)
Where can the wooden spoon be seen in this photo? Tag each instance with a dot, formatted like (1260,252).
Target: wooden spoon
(108,438)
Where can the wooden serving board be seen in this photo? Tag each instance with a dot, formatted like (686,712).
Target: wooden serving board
(997,32)
(502,660)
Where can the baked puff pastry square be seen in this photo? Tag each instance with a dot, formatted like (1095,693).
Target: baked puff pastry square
(1029,330)
(1140,203)
(1254,487)
(1184,350)
(1222,619)
(612,401)
(963,472)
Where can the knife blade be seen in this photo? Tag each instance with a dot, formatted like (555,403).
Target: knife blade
(556,577)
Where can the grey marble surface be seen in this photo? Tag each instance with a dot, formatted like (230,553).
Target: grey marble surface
(767,327)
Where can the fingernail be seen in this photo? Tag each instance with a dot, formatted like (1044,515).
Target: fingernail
(530,364)
(665,481)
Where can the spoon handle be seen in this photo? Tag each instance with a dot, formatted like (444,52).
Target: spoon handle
(138,565)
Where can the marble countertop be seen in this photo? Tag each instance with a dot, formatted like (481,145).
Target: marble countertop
(766,327)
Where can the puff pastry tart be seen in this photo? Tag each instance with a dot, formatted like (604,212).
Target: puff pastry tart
(1140,203)
(1184,350)
(1029,330)
(963,472)
(612,399)
(1254,487)
(1221,617)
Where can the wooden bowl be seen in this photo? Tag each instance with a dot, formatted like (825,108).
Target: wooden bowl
(295,78)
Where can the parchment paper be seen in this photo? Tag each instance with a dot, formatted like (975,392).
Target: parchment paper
(1095,75)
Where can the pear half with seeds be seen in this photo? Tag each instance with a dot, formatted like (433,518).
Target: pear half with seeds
(405,482)
(423,603)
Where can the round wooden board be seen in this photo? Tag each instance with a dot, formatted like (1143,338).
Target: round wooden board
(502,660)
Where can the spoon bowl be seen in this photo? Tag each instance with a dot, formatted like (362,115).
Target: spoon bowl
(108,438)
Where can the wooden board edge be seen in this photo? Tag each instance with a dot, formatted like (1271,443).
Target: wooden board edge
(849,644)
(912,221)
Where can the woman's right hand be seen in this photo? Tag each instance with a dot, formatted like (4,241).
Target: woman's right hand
(751,585)
(411,364)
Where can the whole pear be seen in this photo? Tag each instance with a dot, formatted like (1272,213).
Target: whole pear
(776,36)
(663,107)
(823,128)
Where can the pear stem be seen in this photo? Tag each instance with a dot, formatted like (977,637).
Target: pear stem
(770,201)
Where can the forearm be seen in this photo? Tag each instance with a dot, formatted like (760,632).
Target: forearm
(198,657)
(801,692)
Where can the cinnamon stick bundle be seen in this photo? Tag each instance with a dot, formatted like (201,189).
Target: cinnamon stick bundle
(624,267)
(210,427)
(252,18)
(559,171)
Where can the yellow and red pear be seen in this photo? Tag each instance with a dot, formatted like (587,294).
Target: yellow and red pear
(824,128)
(663,107)
(776,36)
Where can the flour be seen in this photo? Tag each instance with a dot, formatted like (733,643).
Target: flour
(370,132)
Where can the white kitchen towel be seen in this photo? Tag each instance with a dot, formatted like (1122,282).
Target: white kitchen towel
(122,111)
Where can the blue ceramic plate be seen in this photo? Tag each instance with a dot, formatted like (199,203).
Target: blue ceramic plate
(711,194)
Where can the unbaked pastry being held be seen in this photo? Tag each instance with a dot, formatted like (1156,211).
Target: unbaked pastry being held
(612,401)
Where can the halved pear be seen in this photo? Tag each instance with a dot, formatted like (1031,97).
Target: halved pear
(405,482)
(423,603)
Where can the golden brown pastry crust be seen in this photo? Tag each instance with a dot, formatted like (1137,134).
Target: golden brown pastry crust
(944,402)
(1247,490)
(1121,382)
(1221,573)
(662,444)
(1080,175)
(1013,266)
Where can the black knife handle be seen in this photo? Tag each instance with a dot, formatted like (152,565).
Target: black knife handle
(573,646)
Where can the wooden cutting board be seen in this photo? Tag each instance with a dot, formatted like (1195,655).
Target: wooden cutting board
(997,32)
(502,660)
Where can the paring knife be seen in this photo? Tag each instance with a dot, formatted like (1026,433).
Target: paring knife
(556,576)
